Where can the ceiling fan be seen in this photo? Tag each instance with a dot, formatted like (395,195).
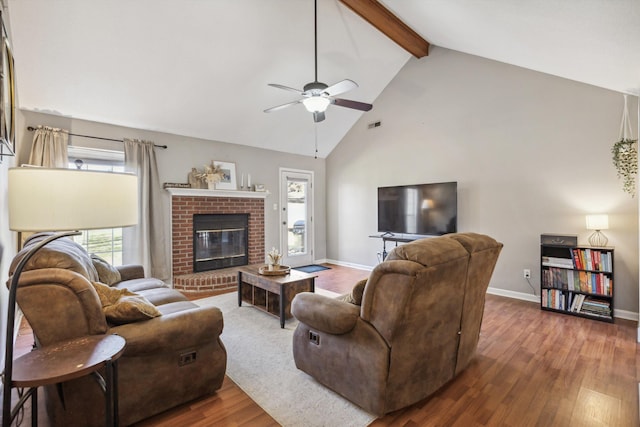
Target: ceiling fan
(316,96)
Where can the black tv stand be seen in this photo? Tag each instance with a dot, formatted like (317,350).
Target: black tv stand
(390,237)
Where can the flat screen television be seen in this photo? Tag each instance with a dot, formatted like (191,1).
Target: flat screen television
(424,209)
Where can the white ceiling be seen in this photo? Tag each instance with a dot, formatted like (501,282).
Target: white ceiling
(200,68)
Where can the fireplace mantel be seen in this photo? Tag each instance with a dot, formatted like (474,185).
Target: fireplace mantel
(187,202)
(203,192)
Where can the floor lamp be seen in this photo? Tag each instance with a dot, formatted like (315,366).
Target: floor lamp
(60,200)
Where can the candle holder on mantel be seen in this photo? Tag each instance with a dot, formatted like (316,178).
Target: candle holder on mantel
(242,186)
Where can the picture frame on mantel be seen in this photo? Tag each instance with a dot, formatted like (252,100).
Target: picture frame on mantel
(228,181)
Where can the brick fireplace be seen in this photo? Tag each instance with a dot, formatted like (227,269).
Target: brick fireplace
(187,202)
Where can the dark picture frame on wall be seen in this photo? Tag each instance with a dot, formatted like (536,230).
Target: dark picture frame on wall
(7,96)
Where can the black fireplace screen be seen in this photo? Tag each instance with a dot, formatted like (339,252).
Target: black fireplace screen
(220,241)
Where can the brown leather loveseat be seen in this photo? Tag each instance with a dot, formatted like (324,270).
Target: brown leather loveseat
(416,327)
(173,355)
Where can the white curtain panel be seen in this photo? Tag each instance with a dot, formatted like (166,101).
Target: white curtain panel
(145,243)
(49,148)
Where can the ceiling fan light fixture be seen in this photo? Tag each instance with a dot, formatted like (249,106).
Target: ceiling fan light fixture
(316,104)
(316,96)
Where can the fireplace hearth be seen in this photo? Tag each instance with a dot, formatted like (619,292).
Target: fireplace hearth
(220,241)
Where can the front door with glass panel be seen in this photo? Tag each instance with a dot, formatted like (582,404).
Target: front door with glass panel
(296,197)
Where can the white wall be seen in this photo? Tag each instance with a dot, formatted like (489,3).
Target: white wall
(530,152)
(183,153)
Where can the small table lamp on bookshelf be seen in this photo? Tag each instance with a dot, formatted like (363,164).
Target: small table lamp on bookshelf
(59,200)
(597,223)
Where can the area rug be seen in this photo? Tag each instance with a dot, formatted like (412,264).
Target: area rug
(312,268)
(260,362)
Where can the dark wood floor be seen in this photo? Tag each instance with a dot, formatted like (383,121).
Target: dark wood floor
(532,368)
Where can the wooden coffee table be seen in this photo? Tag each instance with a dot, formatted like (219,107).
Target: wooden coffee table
(272,294)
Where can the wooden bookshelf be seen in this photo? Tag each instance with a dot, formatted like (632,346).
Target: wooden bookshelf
(577,280)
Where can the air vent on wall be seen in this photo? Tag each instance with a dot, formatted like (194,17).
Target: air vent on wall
(374,124)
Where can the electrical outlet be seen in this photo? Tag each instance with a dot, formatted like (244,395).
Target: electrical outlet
(527,273)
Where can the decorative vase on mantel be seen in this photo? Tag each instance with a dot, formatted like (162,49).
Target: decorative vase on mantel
(212,180)
(211,175)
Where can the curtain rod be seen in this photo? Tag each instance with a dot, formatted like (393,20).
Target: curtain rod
(31,128)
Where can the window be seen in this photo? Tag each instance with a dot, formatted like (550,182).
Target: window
(106,243)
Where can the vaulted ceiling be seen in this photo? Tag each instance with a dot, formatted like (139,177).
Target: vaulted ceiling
(200,68)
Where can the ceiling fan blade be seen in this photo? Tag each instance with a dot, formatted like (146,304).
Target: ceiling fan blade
(299,92)
(351,104)
(280,107)
(318,116)
(341,87)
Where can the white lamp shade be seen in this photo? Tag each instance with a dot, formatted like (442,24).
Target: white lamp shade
(316,103)
(597,222)
(42,199)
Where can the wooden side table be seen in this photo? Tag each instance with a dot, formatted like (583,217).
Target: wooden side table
(68,360)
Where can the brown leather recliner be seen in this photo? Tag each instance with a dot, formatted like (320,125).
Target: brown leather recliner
(417,326)
(58,299)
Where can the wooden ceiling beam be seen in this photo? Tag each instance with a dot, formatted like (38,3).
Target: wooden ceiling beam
(386,22)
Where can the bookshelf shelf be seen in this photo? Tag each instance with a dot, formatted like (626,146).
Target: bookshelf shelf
(577,280)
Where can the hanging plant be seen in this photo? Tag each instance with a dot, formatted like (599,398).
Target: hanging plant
(625,160)
(625,154)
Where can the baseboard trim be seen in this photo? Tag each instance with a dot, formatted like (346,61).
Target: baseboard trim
(625,314)
(349,264)
(513,294)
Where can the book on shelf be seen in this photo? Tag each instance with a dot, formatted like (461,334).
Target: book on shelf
(577,302)
(557,262)
(576,259)
(593,283)
(554,298)
(591,259)
(571,280)
(596,307)
(580,281)
(560,278)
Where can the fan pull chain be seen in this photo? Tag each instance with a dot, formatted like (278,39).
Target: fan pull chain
(315,128)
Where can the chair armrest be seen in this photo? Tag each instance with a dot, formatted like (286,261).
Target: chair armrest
(325,314)
(130,271)
(175,331)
